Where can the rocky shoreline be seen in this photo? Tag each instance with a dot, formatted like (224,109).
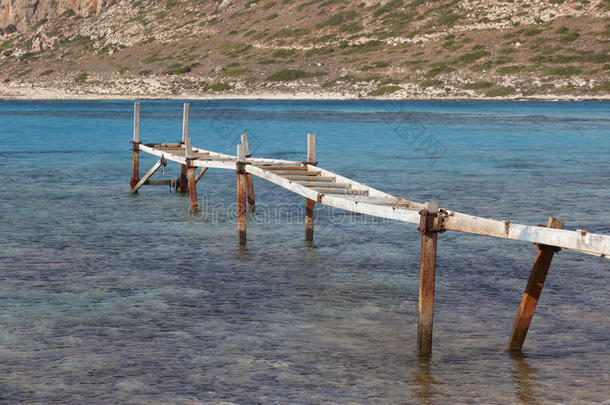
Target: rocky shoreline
(32,92)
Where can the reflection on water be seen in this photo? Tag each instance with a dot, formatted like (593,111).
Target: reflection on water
(527,391)
(114,298)
(424,382)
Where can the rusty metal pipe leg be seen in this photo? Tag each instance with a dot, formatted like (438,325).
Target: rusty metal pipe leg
(309,211)
(192,187)
(241,208)
(250,193)
(530,297)
(183,181)
(429,228)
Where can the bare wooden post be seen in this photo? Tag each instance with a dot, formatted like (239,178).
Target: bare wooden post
(241,193)
(135,176)
(249,182)
(182,181)
(533,290)
(427,271)
(310,204)
(185,121)
(192,183)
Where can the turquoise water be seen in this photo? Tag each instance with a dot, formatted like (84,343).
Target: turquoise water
(110,297)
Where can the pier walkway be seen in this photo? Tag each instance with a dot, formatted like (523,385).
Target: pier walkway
(320,186)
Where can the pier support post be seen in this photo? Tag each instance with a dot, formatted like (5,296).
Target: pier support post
(249,182)
(533,290)
(135,176)
(192,182)
(429,228)
(241,193)
(183,181)
(310,204)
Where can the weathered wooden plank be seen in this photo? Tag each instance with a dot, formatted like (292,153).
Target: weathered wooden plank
(393,202)
(283,167)
(147,176)
(355,185)
(427,273)
(337,191)
(186,111)
(381,211)
(295,172)
(530,297)
(305,179)
(311,149)
(283,182)
(577,240)
(324,184)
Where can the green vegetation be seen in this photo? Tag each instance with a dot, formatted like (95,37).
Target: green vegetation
(509,70)
(383,90)
(46,72)
(283,53)
(235,72)
(471,57)
(478,85)
(438,68)
(179,69)
(292,74)
(561,71)
(218,87)
(81,78)
(234,50)
(500,91)
(431,83)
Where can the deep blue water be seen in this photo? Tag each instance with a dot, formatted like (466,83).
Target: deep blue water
(111,297)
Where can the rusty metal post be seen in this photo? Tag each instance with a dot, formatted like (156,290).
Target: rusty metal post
(430,225)
(249,181)
(135,175)
(241,193)
(533,290)
(192,183)
(310,204)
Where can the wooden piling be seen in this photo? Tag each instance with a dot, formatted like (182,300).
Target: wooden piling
(310,204)
(249,180)
(183,181)
(192,183)
(533,290)
(241,193)
(135,176)
(427,273)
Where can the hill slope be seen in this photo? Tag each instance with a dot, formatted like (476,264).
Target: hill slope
(332,48)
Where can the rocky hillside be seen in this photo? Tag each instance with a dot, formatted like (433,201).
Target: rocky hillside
(317,48)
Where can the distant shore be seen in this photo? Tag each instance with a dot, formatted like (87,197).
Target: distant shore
(8,92)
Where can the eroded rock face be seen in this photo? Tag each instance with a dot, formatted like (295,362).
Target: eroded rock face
(25,13)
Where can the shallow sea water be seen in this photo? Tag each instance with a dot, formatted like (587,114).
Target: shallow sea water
(111,297)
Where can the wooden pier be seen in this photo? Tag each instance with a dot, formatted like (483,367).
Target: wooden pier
(321,186)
